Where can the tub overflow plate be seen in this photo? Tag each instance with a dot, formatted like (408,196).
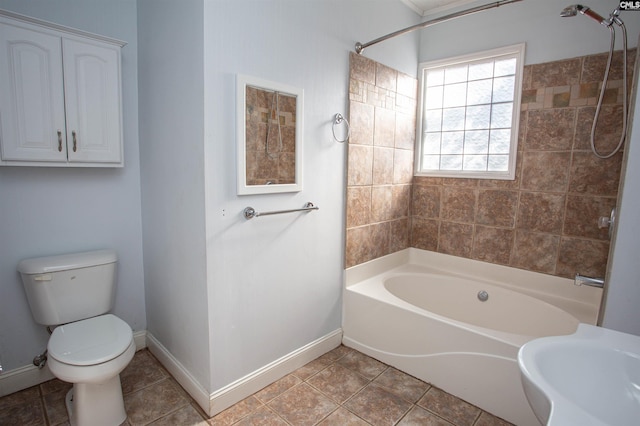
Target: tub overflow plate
(483,296)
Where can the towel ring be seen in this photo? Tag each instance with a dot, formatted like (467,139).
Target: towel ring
(338,119)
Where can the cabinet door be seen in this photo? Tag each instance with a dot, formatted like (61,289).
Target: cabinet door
(32,122)
(92,97)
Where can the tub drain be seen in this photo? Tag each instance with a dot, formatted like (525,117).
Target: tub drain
(483,296)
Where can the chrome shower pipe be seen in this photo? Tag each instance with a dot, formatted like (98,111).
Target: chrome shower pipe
(361,46)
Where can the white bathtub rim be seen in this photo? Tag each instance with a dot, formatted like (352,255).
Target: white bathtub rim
(581,302)
(510,339)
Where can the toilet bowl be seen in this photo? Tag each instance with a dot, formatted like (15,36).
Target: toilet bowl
(89,347)
(91,354)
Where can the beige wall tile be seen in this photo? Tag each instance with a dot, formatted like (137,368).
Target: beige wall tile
(493,245)
(581,219)
(545,171)
(382,165)
(497,208)
(541,212)
(456,239)
(360,165)
(595,176)
(384,127)
(550,129)
(558,73)
(358,206)
(458,204)
(535,251)
(587,257)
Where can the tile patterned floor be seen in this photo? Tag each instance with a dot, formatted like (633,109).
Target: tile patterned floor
(341,388)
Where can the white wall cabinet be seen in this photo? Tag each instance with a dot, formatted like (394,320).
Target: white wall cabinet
(60,96)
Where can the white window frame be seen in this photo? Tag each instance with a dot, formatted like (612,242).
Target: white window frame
(514,51)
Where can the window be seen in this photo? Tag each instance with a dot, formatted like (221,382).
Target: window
(469,109)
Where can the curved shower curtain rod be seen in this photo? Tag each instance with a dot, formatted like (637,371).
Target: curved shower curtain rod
(361,46)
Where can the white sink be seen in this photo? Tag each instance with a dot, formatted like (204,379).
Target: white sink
(591,377)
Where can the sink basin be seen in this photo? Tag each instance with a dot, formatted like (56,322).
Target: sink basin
(591,377)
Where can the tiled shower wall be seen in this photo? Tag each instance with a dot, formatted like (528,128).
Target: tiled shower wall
(544,221)
(382,112)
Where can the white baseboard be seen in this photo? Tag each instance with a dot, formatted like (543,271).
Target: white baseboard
(253,382)
(22,378)
(29,375)
(179,372)
(246,386)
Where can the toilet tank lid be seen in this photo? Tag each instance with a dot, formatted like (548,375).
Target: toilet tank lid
(42,265)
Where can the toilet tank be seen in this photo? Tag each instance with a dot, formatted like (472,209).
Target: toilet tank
(70,287)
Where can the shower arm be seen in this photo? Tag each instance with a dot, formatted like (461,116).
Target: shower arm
(361,46)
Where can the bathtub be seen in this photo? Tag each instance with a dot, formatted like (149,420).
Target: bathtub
(421,312)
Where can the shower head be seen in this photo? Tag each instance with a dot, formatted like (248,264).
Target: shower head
(569,11)
(584,10)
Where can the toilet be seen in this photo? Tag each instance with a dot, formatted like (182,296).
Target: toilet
(89,347)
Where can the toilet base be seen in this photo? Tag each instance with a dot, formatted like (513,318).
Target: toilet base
(96,404)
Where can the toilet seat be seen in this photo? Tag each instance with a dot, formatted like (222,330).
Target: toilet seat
(91,341)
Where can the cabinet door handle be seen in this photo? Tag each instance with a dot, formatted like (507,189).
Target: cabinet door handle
(59,141)
(75,142)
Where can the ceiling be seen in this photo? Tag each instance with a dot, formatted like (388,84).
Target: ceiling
(430,7)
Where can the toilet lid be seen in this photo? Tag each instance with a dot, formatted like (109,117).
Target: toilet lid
(91,341)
